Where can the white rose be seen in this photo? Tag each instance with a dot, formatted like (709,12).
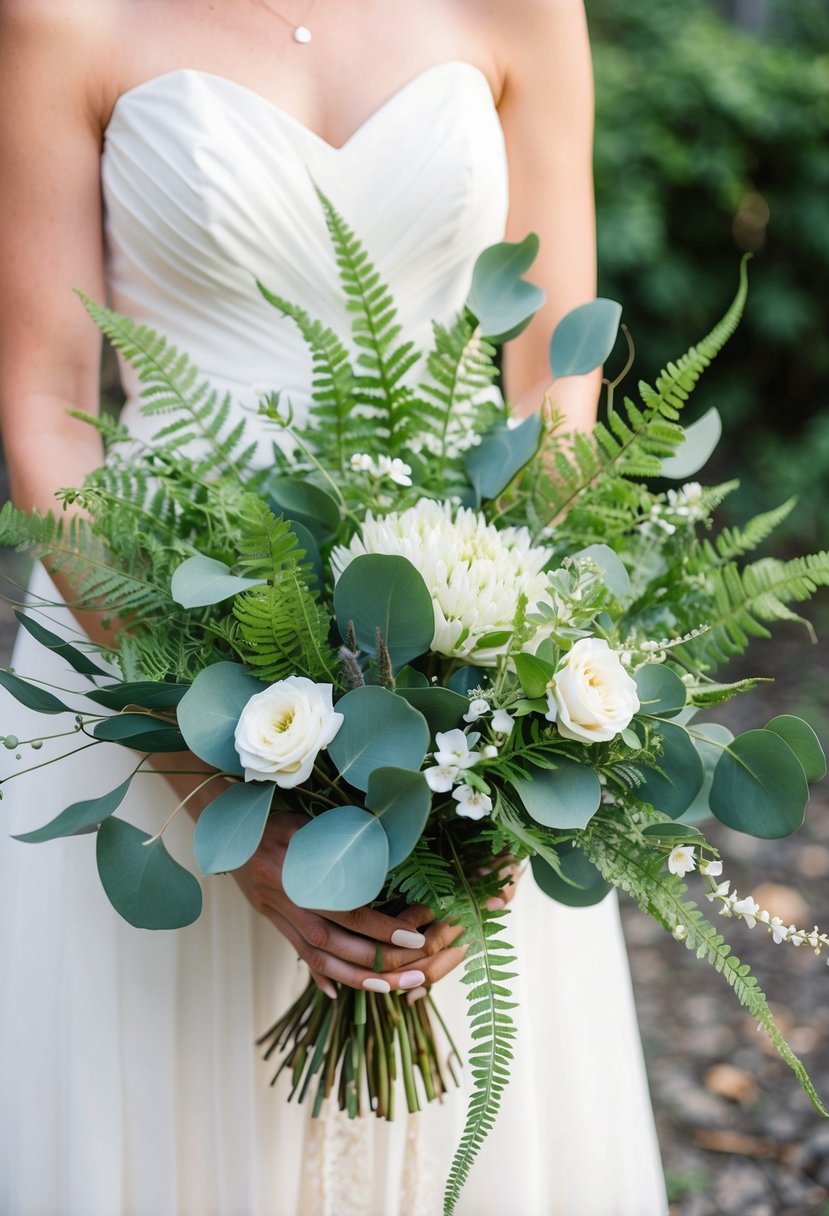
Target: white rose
(282,730)
(591,696)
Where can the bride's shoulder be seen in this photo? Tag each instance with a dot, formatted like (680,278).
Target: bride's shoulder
(529,34)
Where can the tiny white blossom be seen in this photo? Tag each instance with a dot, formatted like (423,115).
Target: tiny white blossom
(681,860)
(748,909)
(362,463)
(441,777)
(502,722)
(680,933)
(722,890)
(490,752)
(778,930)
(472,804)
(712,868)
(796,936)
(453,748)
(812,938)
(477,709)
(396,470)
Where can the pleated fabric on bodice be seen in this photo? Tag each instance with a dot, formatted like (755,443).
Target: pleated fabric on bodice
(209,186)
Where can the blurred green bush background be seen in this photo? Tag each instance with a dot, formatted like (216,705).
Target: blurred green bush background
(713,140)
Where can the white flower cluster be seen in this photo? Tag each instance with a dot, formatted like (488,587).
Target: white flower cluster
(384,466)
(474,571)
(453,758)
(682,861)
(685,504)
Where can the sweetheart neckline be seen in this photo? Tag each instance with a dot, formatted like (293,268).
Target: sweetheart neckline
(234,85)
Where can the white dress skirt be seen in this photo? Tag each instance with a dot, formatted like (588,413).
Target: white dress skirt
(129,1080)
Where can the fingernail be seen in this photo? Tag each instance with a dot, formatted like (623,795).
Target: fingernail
(415,995)
(408,939)
(411,979)
(329,989)
(495,904)
(372,984)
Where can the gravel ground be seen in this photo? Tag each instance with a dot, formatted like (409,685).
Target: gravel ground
(738,1136)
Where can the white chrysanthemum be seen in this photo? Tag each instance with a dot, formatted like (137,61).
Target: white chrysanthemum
(474,571)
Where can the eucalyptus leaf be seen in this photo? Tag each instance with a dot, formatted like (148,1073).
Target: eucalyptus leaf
(697,446)
(142,881)
(209,712)
(337,862)
(585,886)
(501,455)
(500,300)
(709,738)
(617,579)
(79,818)
(309,544)
(200,581)
(804,743)
(584,338)
(305,503)
(78,660)
(230,827)
(410,677)
(401,800)
(466,678)
(31,696)
(379,730)
(567,796)
(759,786)
(141,733)
(661,692)
(386,592)
(679,778)
(147,694)
(442,708)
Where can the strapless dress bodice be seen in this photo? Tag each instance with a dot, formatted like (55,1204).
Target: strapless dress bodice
(208,186)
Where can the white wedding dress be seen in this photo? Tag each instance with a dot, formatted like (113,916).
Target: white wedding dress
(129,1081)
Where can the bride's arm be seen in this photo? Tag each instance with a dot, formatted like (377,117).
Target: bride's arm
(546,110)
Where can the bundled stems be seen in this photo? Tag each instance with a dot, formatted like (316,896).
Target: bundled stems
(354,1047)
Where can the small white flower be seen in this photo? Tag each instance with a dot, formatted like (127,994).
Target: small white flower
(441,777)
(502,722)
(812,939)
(490,752)
(680,933)
(764,917)
(722,890)
(796,936)
(681,860)
(778,930)
(453,749)
(712,868)
(362,463)
(477,709)
(396,470)
(748,909)
(472,804)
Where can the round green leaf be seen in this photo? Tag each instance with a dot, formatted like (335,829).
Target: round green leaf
(337,862)
(380,730)
(148,694)
(567,796)
(804,743)
(142,881)
(200,581)
(759,786)
(379,590)
(617,579)
(501,455)
(501,301)
(230,827)
(585,887)
(311,549)
(141,733)
(31,696)
(401,800)
(305,503)
(210,710)
(584,338)
(442,708)
(80,817)
(697,446)
(675,784)
(661,692)
(709,738)
(466,678)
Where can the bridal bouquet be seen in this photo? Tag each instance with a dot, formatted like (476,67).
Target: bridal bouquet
(447,639)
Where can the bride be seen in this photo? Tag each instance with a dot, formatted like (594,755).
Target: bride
(162,153)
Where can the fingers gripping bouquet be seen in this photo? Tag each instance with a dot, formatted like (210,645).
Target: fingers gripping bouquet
(445,640)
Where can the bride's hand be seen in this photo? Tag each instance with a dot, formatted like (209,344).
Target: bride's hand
(344,946)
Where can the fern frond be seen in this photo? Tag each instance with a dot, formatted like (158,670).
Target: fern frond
(424,877)
(662,896)
(733,542)
(462,367)
(283,630)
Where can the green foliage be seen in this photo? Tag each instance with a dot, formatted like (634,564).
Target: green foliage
(629,866)
(462,367)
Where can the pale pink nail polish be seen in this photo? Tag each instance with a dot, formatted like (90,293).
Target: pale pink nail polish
(408,939)
(372,984)
(411,979)
(495,904)
(415,995)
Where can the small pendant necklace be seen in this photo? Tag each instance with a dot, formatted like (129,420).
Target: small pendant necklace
(300,33)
